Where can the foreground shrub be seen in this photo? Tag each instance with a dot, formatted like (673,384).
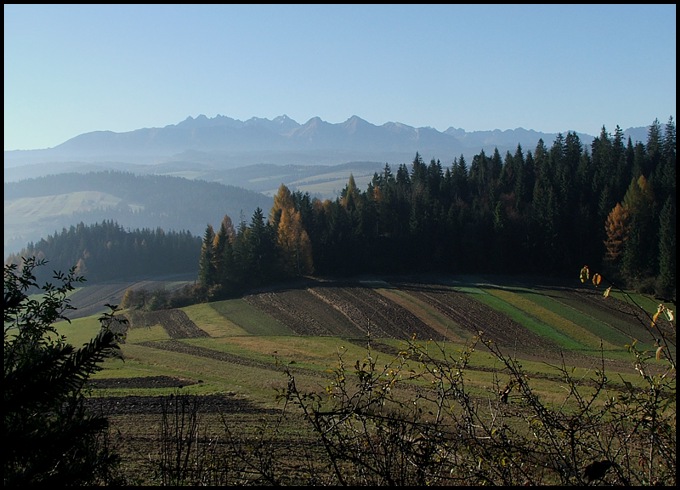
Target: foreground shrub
(49,437)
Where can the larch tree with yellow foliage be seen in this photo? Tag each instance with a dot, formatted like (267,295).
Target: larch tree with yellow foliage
(282,200)
(295,245)
(616,227)
(292,238)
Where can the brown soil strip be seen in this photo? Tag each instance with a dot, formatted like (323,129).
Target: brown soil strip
(174,321)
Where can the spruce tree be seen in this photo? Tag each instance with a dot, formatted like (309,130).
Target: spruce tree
(667,251)
(207,272)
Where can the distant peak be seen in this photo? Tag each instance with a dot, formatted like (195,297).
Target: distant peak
(282,119)
(314,122)
(356,120)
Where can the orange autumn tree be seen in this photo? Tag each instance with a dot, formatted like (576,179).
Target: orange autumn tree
(295,244)
(616,228)
(292,238)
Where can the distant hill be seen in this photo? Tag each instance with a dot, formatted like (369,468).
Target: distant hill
(35,208)
(184,175)
(222,142)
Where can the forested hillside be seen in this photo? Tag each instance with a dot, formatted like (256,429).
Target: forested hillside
(37,207)
(546,211)
(105,251)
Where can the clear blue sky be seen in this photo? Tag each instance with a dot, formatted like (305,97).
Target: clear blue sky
(72,69)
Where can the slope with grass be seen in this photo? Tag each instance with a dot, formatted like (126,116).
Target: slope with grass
(310,324)
(237,354)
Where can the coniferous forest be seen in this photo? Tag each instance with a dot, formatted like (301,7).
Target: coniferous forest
(546,210)
(105,251)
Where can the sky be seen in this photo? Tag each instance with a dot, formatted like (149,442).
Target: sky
(73,69)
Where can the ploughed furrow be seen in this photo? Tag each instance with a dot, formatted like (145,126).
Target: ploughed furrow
(458,309)
(331,297)
(305,305)
(475,317)
(397,320)
(304,313)
(623,311)
(376,314)
(272,304)
(174,321)
(629,319)
(136,404)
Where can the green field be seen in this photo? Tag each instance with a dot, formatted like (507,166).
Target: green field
(246,347)
(244,351)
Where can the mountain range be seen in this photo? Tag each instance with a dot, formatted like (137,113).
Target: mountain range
(185,175)
(222,142)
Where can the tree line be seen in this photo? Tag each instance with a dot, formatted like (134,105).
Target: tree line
(106,251)
(611,205)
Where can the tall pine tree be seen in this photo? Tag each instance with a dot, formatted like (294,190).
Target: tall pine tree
(207,272)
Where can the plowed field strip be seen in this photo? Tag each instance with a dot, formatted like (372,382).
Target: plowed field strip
(458,309)
(613,308)
(135,404)
(272,305)
(369,310)
(180,323)
(304,313)
(176,322)
(619,315)
(382,314)
(475,317)
(438,321)
(141,382)
(347,309)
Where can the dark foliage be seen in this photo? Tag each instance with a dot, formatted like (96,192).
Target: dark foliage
(105,251)
(543,212)
(50,438)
